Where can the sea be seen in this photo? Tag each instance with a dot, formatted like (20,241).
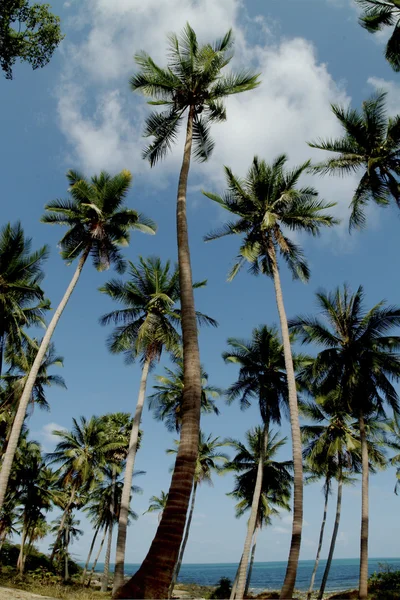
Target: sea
(343,574)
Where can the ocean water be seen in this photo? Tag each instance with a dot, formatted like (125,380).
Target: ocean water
(270,575)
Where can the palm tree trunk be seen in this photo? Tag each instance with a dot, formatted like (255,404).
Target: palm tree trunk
(2,344)
(90,554)
(334,536)
(3,537)
(363,593)
(97,557)
(154,577)
(252,523)
(66,572)
(104,582)
(62,523)
(253,552)
(234,586)
(20,561)
(126,490)
(184,542)
(294,553)
(321,539)
(30,382)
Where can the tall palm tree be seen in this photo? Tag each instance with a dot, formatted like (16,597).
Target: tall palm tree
(167,400)
(69,531)
(268,203)
(378,14)
(370,146)
(262,377)
(359,362)
(81,454)
(193,86)
(393,427)
(275,490)
(97,225)
(22,301)
(146,325)
(209,459)
(157,504)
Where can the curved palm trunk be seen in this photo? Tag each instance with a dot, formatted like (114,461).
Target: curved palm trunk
(90,554)
(126,490)
(62,523)
(234,586)
(104,582)
(20,561)
(184,542)
(66,571)
(97,557)
(30,382)
(363,593)
(333,540)
(251,525)
(253,552)
(321,539)
(154,577)
(293,560)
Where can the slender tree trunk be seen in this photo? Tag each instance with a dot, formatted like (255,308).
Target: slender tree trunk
(66,572)
(30,382)
(2,344)
(251,525)
(294,553)
(234,586)
(321,539)
(184,542)
(155,574)
(253,552)
(334,536)
(104,582)
(97,557)
(363,595)
(90,554)
(3,537)
(62,523)
(20,561)
(127,487)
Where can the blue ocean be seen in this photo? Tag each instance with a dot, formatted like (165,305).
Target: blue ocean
(270,575)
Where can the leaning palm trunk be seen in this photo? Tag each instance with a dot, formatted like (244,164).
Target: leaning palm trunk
(253,552)
(293,560)
(30,382)
(363,592)
(184,542)
(334,536)
(104,582)
(234,586)
(126,490)
(97,557)
(83,577)
(321,539)
(154,577)
(20,561)
(252,523)
(66,571)
(62,522)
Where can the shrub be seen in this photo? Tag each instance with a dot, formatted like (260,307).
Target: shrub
(223,589)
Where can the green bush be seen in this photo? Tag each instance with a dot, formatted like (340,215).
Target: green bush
(385,584)
(223,589)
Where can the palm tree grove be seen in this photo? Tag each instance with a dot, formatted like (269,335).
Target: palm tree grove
(184,416)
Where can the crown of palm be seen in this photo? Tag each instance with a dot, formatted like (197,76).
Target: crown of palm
(194,79)
(96,218)
(267,202)
(378,14)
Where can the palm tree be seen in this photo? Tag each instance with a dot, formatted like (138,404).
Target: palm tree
(98,224)
(81,454)
(262,376)
(145,326)
(69,531)
(378,14)
(167,400)
(157,504)
(370,145)
(359,362)
(21,272)
(267,201)
(209,459)
(393,427)
(275,490)
(194,84)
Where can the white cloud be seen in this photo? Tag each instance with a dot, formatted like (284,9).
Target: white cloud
(48,439)
(393,93)
(102,120)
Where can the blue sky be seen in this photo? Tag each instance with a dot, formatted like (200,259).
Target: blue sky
(78,112)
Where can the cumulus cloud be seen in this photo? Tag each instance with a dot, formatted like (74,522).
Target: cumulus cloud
(393,93)
(48,439)
(102,120)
